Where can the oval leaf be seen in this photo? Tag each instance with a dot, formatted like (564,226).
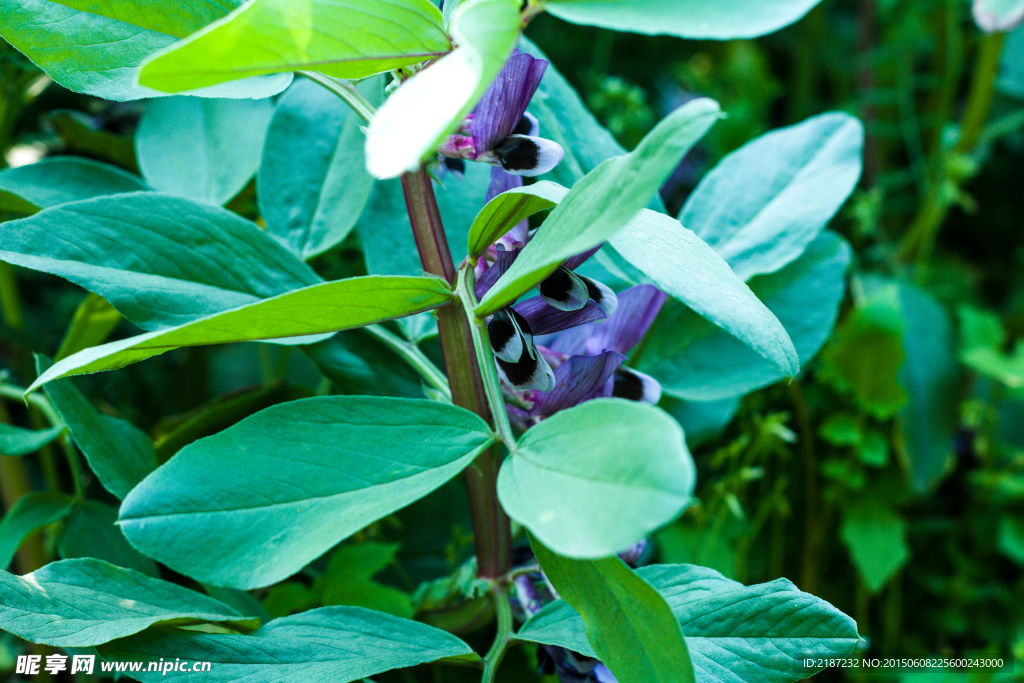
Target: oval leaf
(202,149)
(628,624)
(503,212)
(682,265)
(318,310)
(30,512)
(59,180)
(255,503)
(593,479)
(97,52)
(343,38)
(698,361)
(313,183)
(337,644)
(603,202)
(431,104)
(19,441)
(763,204)
(720,20)
(120,454)
(159,260)
(733,632)
(85,602)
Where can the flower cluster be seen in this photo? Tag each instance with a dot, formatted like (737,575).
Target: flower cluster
(587,328)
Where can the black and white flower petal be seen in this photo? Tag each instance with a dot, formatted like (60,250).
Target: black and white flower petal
(601,294)
(528,125)
(635,386)
(545,319)
(532,372)
(528,155)
(565,290)
(510,335)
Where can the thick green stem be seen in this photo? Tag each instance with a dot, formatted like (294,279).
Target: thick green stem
(412,355)
(491,529)
(346,91)
(504,637)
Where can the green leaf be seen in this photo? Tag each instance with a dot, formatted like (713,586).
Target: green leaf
(1011,537)
(174,261)
(863,358)
(348,579)
(734,632)
(59,180)
(720,20)
(30,512)
(337,644)
(313,183)
(1011,65)
(432,104)
(357,362)
(255,503)
(877,540)
(203,149)
(93,322)
(120,454)
(998,15)
(763,204)
(701,420)
(85,602)
(591,480)
(342,38)
(98,52)
(90,530)
(188,16)
(604,201)
(321,309)
(502,213)
(19,441)
(628,625)
(698,361)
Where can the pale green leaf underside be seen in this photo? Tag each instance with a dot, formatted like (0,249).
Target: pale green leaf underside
(502,213)
(316,310)
(342,38)
(603,202)
(591,480)
(327,645)
(720,20)
(253,504)
(688,269)
(85,602)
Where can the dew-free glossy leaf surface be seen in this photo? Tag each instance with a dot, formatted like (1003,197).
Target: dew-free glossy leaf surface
(99,54)
(255,503)
(20,441)
(876,537)
(720,20)
(85,602)
(628,624)
(30,512)
(159,260)
(343,38)
(120,454)
(604,201)
(763,204)
(59,180)
(306,314)
(312,183)
(591,480)
(697,361)
(414,120)
(688,269)
(203,149)
(327,645)
(734,632)
(502,213)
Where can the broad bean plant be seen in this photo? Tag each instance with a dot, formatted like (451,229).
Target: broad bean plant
(484,284)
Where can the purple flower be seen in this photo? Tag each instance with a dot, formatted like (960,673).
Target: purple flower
(501,133)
